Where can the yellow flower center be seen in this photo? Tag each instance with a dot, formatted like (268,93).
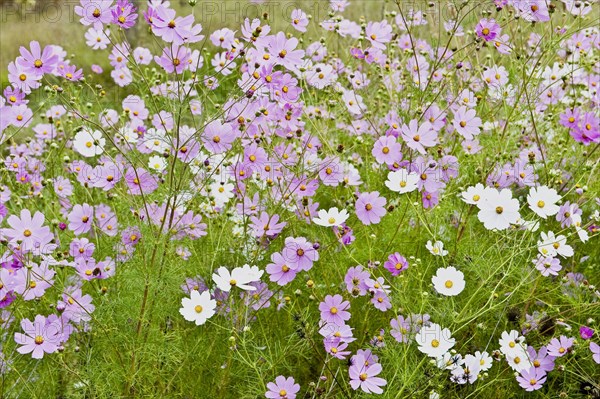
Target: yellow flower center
(435,343)
(448,284)
(499,210)
(334,310)
(198,309)
(27,233)
(39,339)
(541,204)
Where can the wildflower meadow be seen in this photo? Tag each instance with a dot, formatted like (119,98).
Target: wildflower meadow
(300,199)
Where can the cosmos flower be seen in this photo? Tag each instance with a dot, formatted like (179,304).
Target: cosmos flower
(370,207)
(199,307)
(282,388)
(334,310)
(365,377)
(531,379)
(498,209)
(331,217)
(239,277)
(448,281)
(434,341)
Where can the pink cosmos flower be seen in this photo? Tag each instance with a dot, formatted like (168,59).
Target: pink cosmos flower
(279,271)
(379,34)
(36,61)
(418,137)
(299,20)
(28,232)
(334,310)
(387,150)
(363,375)
(282,388)
(466,122)
(531,379)
(370,207)
(38,337)
(559,347)
(140,181)
(487,29)
(174,59)
(94,12)
(81,219)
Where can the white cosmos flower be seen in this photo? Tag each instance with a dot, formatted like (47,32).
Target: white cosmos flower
(485,360)
(542,201)
(434,341)
(551,245)
(198,308)
(332,217)
(519,361)
(437,248)
(511,343)
(239,277)
(473,194)
(401,181)
(157,163)
(449,361)
(89,143)
(221,192)
(448,281)
(467,372)
(498,209)
(582,233)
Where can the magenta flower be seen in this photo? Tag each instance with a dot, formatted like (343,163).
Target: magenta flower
(487,29)
(364,376)
(531,379)
(396,263)
(36,61)
(334,310)
(124,14)
(81,219)
(370,207)
(38,337)
(585,332)
(27,232)
(559,347)
(282,388)
(279,271)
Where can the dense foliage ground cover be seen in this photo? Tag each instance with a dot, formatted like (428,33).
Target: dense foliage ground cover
(308,205)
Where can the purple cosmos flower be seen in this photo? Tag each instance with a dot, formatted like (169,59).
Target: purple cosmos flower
(38,337)
(333,310)
(124,14)
(370,207)
(174,59)
(283,51)
(541,360)
(365,377)
(531,379)
(81,219)
(595,349)
(131,236)
(28,232)
(76,306)
(81,248)
(559,347)
(266,225)
(22,79)
(94,12)
(418,137)
(547,265)
(36,61)
(194,284)
(387,150)
(299,20)
(487,29)
(335,346)
(140,181)
(379,34)
(586,332)
(282,388)
(299,253)
(401,328)
(355,280)
(279,271)
(396,263)
(466,122)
